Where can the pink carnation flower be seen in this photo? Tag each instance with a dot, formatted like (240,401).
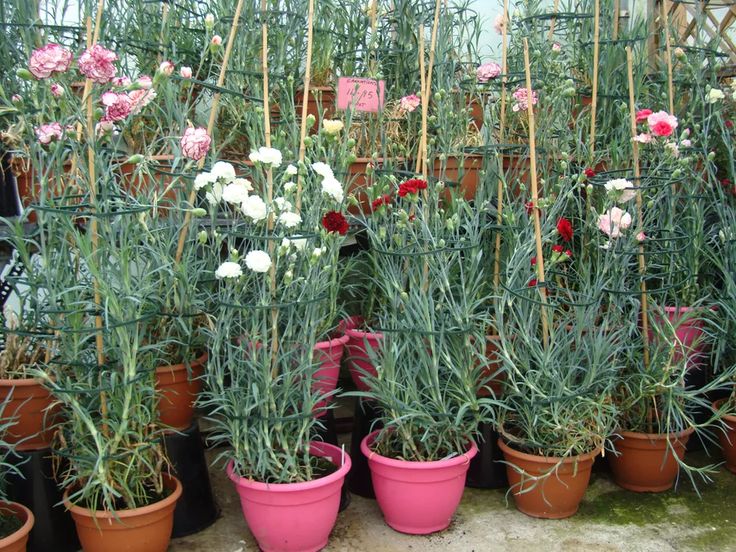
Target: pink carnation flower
(117,106)
(144,81)
(96,63)
(140,98)
(166,68)
(643,138)
(662,123)
(499,23)
(522,99)
(613,221)
(121,81)
(49,59)
(195,143)
(104,127)
(57,90)
(49,132)
(410,103)
(185,72)
(642,115)
(488,71)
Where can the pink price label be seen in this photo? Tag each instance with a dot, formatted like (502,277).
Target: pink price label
(360,94)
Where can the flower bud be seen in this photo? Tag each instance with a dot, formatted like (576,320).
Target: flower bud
(310,120)
(216,41)
(350,143)
(209,21)
(199,212)
(24,74)
(202,237)
(711,155)
(135,159)
(308,141)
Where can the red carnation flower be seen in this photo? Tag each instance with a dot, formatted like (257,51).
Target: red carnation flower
(590,173)
(726,182)
(564,229)
(568,253)
(532,282)
(383,200)
(335,222)
(642,115)
(412,186)
(534,261)
(729,123)
(557,249)
(529,208)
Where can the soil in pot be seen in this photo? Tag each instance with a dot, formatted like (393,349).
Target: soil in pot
(417,498)
(645,462)
(144,529)
(178,388)
(16,522)
(294,517)
(33,411)
(562,485)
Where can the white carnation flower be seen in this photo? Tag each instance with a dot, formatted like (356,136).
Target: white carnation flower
(244,182)
(215,194)
(715,95)
(290,220)
(323,169)
(317,252)
(333,188)
(282,204)
(258,261)
(223,170)
(254,208)
(235,192)
(296,242)
(228,269)
(289,186)
(267,156)
(291,170)
(624,189)
(203,179)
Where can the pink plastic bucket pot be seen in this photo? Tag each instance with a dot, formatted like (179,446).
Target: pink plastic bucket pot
(360,346)
(328,354)
(691,345)
(293,517)
(417,497)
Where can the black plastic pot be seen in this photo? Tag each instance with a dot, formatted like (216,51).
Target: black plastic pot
(359,478)
(487,470)
(328,434)
(34,486)
(196,508)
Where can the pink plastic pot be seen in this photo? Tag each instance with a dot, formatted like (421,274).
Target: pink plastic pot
(293,517)
(689,333)
(417,497)
(328,354)
(360,346)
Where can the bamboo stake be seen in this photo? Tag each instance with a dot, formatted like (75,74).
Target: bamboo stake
(535,194)
(269,178)
(616,16)
(501,137)
(307,83)
(594,98)
(639,204)
(668,54)
(428,85)
(210,124)
(425,100)
(374,27)
(552,22)
(164,19)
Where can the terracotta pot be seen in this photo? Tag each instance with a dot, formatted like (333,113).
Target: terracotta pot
(318,95)
(417,498)
(33,409)
(361,346)
(178,389)
(16,542)
(727,437)
(359,180)
(142,184)
(145,529)
(328,354)
(645,463)
(462,171)
(29,188)
(556,496)
(476,106)
(294,517)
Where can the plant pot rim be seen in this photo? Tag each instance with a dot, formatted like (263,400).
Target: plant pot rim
(506,448)
(21,382)
(728,417)
(378,159)
(360,334)
(123,514)
(328,344)
(318,446)
(654,436)
(371,455)
(24,529)
(178,367)
(670,309)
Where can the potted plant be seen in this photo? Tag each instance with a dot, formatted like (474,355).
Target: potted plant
(428,268)
(280,230)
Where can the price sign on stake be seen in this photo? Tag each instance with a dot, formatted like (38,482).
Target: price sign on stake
(360,94)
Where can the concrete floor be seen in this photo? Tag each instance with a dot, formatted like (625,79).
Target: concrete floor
(610,519)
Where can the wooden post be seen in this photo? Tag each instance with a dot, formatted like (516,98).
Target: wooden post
(307,83)
(551,33)
(422,161)
(211,123)
(594,93)
(535,195)
(668,56)
(616,17)
(639,207)
(501,138)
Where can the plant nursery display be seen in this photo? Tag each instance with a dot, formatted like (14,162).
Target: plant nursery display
(231,221)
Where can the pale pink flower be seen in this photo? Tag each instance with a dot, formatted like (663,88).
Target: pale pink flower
(57,90)
(410,103)
(121,81)
(216,40)
(641,236)
(195,143)
(117,106)
(16,98)
(185,72)
(686,144)
(144,81)
(674,149)
(662,123)
(643,138)
(556,47)
(49,59)
(140,98)
(613,221)
(96,63)
(166,68)
(522,99)
(499,23)
(49,132)
(642,115)
(104,127)
(488,71)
